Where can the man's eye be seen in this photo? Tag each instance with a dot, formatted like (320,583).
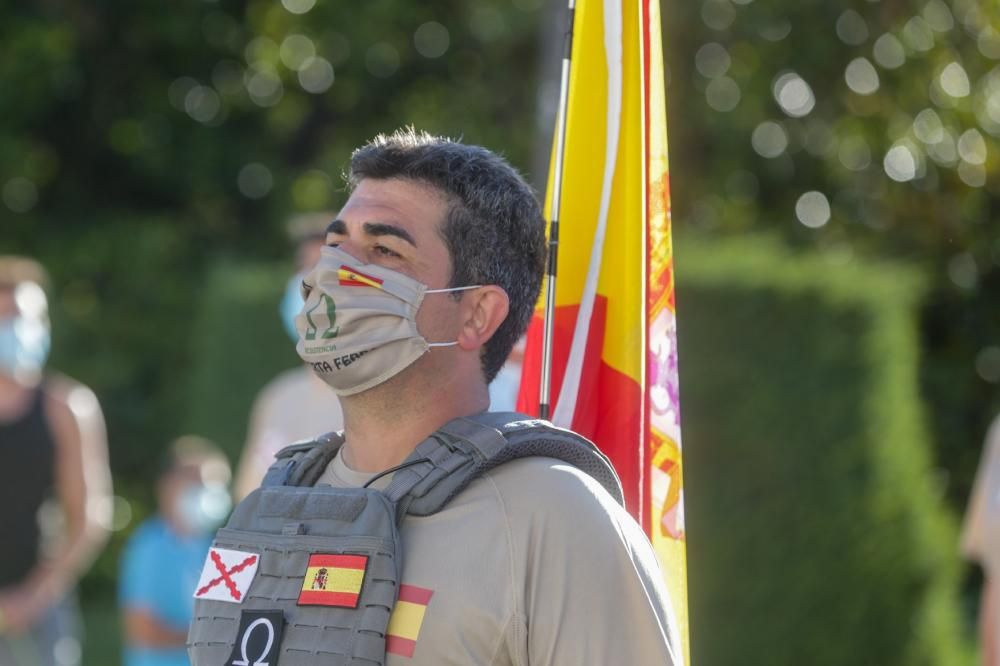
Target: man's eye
(385,252)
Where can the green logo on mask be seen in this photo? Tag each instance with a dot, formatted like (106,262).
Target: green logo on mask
(331,314)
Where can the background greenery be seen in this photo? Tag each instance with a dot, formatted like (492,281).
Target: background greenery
(149,155)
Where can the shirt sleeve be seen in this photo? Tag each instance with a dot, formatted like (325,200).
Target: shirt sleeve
(592,592)
(973,525)
(136,581)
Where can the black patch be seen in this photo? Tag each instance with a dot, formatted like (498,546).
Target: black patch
(258,638)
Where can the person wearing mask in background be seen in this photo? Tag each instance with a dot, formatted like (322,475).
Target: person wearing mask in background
(55,485)
(296,404)
(163,557)
(981,542)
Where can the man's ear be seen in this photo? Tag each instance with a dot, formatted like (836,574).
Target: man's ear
(483,310)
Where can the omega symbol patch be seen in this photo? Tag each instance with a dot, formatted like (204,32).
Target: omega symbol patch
(258,639)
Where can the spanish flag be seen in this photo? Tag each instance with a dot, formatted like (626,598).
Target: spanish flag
(349,277)
(406,619)
(333,580)
(614,371)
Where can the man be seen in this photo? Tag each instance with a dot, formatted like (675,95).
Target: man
(163,557)
(54,481)
(432,272)
(296,404)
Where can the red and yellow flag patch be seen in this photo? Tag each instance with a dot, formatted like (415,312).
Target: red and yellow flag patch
(406,619)
(333,580)
(351,278)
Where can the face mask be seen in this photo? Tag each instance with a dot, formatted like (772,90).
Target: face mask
(291,304)
(202,508)
(24,346)
(358,325)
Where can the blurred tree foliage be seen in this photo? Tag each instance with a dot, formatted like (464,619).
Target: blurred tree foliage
(860,128)
(138,146)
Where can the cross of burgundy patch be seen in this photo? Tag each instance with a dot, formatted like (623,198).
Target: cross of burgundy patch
(227,575)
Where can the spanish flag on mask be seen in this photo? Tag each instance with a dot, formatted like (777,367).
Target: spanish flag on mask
(614,360)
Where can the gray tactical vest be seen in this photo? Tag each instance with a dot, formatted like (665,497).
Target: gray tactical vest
(290,519)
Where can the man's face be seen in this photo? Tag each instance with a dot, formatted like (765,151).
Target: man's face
(397,224)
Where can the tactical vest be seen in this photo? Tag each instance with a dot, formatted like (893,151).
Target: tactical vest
(325,563)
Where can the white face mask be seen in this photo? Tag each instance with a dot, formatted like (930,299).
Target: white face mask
(358,326)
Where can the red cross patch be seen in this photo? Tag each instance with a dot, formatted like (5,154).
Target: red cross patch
(227,575)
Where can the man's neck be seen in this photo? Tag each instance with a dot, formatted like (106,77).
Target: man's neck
(382,426)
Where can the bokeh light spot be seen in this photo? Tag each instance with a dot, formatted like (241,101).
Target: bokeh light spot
(793,95)
(769,139)
(988,364)
(988,42)
(962,271)
(295,50)
(889,51)
(900,163)
(918,35)
(298,6)
(954,81)
(972,147)
(316,75)
(851,28)
(431,40)
(938,16)
(854,153)
(722,94)
(263,85)
(718,14)
(973,175)
(813,209)
(255,180)
(19,194)
(777,31)
(927,126)
(861,76)
(712,60)
(178,90)
(202,104)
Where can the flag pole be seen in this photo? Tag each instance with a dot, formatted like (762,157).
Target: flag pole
(544,403)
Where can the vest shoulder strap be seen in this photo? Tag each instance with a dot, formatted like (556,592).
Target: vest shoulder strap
(445,463)
(466,448)
(302,463)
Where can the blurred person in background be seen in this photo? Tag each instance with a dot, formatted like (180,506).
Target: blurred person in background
(296,404)
(163,557)
(55,485)
(981,542)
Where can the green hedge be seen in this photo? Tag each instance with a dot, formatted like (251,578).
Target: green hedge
(817,533)
(239,344)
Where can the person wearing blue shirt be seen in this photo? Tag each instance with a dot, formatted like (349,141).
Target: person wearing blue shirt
(163,559)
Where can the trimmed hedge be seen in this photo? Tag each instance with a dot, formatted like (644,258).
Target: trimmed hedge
(816,531)
(239,345)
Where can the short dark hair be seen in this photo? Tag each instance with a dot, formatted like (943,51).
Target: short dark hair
(494,229)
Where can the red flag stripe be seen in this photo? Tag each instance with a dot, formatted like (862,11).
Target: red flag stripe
(339,561)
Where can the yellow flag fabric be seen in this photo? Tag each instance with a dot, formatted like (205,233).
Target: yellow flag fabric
(614,370)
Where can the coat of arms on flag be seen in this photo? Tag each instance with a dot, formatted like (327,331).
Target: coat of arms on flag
(333,580)
(227,575)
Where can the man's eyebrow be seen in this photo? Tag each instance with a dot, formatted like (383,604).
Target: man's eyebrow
(373,229)
(383,229)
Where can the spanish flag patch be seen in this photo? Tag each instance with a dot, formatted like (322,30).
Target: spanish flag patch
(333,580)
(349,277)
(406,619)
